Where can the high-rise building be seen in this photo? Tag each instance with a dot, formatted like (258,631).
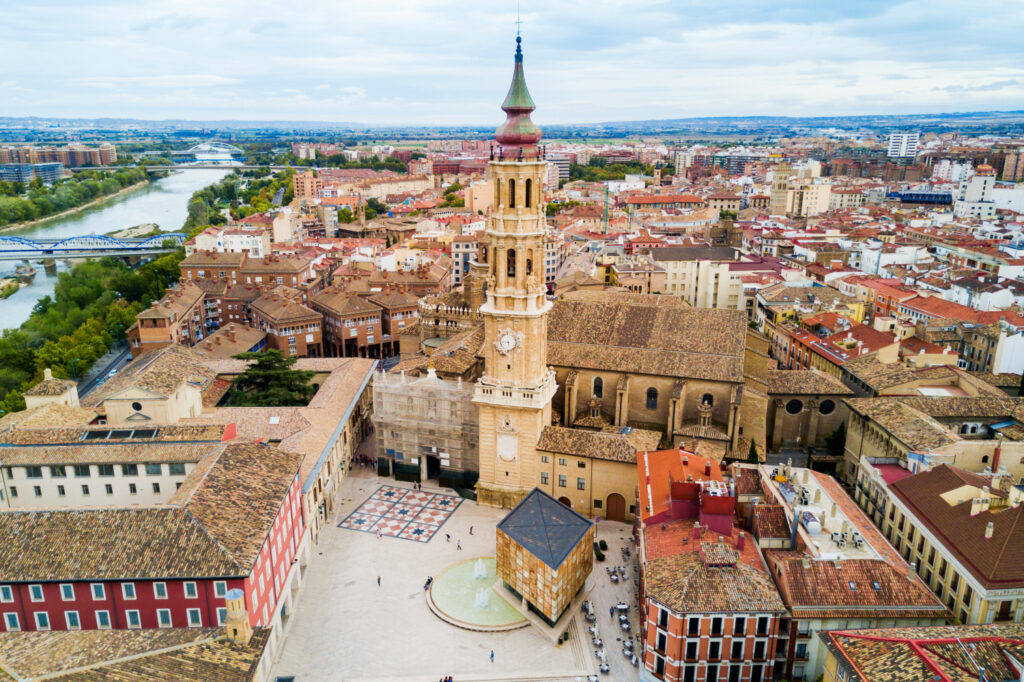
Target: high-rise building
(514,393)
(903,145)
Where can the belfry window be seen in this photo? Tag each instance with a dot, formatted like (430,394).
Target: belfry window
(598,387)
(511,263)
(529,184)
(652,398)
(511,193)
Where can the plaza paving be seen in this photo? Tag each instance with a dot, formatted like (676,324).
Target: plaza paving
(345,627)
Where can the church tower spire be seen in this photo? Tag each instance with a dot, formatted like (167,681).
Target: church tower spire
(514,393)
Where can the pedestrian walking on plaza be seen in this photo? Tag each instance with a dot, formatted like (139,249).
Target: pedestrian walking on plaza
(471,530)
(447,537)
(492,655)
(378,581)
(378,533)
(458,545)
(611,612)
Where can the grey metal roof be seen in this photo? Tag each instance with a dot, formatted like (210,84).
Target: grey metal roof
(545,527)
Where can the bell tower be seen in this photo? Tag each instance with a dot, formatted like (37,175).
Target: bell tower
(514,394)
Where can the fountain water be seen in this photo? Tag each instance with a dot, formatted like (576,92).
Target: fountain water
(479,570)
(481,598)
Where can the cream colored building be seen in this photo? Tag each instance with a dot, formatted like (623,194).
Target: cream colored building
(480,197)
(701,275)
(798,194)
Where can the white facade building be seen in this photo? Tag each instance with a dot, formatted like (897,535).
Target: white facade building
(903,145)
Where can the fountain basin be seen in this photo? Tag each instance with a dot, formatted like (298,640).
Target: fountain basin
(463,596)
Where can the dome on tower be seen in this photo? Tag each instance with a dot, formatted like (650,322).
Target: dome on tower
(518,131)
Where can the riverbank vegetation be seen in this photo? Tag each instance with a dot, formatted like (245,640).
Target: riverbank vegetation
(93,305)
(41,201)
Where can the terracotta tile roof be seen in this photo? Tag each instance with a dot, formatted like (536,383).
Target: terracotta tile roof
(927,653)
(161,371)
(51,414)
(918,431)
(77,435)
(201,259)
(805,382)
(51,387)
(659,339)
(337,301)
(175,303)
(581,443)
(100,452)
(228,341)
(150,655)
(684,583)
(994,562)
(770,521)
(822,589)
(217,531)
(283,304)
(1004,380)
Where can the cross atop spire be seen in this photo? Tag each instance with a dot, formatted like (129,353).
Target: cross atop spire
(519,22)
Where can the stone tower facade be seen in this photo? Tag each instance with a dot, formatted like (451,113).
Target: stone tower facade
(514,394)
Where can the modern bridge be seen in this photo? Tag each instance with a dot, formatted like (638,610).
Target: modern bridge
(87,246)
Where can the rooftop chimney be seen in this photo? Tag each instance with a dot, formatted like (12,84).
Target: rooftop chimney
(47,374)
(989,529)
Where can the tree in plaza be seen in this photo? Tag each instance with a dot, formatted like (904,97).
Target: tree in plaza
(345,215)
(270,381)
(836,441)
(752,455)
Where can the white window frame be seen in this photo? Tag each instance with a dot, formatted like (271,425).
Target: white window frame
(63,597)
(197,620)
(99,625)
(32,593)
(128,619)
(159,618)
(191,590)
(102,591)
(67,620)
(220,588)
(222,615)
(7,622)
(44,614)
(125,588)
(6,594)
(157,587)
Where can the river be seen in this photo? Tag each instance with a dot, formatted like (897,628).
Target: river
(163,201)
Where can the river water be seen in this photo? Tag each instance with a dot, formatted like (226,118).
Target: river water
(164,202)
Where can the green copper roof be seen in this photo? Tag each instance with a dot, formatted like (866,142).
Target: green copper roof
(518,96)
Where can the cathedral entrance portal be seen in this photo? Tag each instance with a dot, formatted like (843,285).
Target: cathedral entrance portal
(616,507)
(433,466)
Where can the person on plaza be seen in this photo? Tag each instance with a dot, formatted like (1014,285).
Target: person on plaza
(471,530)
(458,545)
(378,581)
(447,537)
(492,655)
(611,612)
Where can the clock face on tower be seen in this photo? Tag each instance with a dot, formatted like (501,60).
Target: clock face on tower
(508,341)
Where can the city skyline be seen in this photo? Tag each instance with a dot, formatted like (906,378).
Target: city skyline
(427,63)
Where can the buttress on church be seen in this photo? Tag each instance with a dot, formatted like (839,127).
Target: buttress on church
(527,390)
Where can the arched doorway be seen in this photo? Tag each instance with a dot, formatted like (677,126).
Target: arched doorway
(566,501)
(616,507)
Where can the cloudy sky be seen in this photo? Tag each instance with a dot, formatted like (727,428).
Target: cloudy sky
(449,62)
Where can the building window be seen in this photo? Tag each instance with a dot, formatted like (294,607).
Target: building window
(545,459)
(598,387)
(128,590)
(562,461)
(737,650)
(827,406)
(11,622)
(13,490)
(759,647)
(163,618)
(581,484)
(35,592)
(98,591)
(544,477)
(129,469)
(33,472)
(715,650)
(58,472)
(132,489)
(222,614)
(652,398)
(220,588)
(72,620)
(708,398)
(109,489)
(105,469)
(794,406)
(156,488)
(693,627)
(42,620)
(160,590)
(597,504)
(195,619)
(691,651)
(739,626)
(190,591)
(176,468)
(60,491)
(762,625)
(581,464)
(716,626)
(561,481)
(131,616)
(82,471)
(85,490)
(37,491)
(6,594)
(67,592)
(103,620)
(153,470)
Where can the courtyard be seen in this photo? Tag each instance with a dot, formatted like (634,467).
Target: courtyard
(345,627)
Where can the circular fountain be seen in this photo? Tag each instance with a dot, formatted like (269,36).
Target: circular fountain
(464,596)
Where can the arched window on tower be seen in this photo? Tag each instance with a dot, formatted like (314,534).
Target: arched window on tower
(598,387)
(483,254)
(511,263)
(529,192)
(529,260)
(511,193)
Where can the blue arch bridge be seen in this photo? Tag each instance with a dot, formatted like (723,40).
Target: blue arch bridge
(13,247)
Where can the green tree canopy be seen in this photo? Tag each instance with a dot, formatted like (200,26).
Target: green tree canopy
(271,382)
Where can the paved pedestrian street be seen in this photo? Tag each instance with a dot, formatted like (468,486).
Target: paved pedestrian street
(345,627)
